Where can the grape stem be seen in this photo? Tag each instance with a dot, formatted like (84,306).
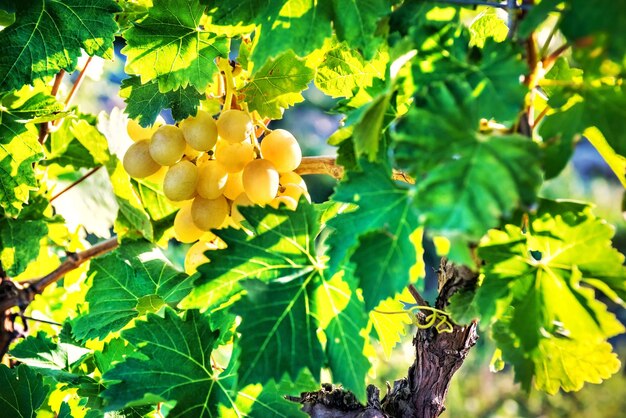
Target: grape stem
(227,75)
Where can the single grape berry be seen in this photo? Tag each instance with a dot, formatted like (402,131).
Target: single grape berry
(234,156)
(136,132)
(260,181)
(184,229)
(213,177)
(137,161)
(234,125)
(282,149)
(181,181)
(167,145)
(209,213)
(200,131)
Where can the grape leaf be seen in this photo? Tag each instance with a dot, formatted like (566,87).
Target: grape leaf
(297,25)
(121,281)
(492,74)
(145,101)
(356,22)
(176,367)
(386,208)
(391,327)
(281,247)
(48,36)
(171,47)
(601,107)
(487,25)
(277,85)
(343,70)
(342,316)
(22,391)
(601,21)
(19,243)
(540,274)
(615,161)
(278,331)
(469,180)
(19,148)
(51,359)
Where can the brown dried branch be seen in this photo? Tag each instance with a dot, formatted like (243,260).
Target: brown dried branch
(328,165)
(77,182)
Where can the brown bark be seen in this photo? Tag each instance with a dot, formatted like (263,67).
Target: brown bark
(423,392)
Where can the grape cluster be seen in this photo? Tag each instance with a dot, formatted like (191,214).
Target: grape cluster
(210,168)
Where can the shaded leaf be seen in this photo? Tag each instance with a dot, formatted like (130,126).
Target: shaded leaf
(170,46)
(48,36)
(145,101)
(22,391)
(176,367)
(277,85)
(121,281)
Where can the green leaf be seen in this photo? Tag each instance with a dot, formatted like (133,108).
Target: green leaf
(49,358)
(145,101)
(132,220)
(568,364)
(602,21)
(545,274)
(344,69)
(278,331)
(176,366)
(48,36)
(615,161)
(19,148)
(281,247)
(601,107)
(386,209)
(342,316)
(297,25)
(491,74)
(390,326)
(22,391)
(356,22)
(278,85)
(488,25)
(170,46)
(19,243)
(468,181)
(121,281)
(367,135)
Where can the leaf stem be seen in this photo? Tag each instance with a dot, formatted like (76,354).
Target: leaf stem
(78,82)
(80,180)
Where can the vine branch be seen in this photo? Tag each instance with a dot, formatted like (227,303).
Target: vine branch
(77,182)
(328,165)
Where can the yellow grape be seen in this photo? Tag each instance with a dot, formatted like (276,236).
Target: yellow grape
(293,191)
(190,153)
(234,186)
(282,149)
(168,145)
(209,213)
(200,131)
(181,181)
(202,159)
(212,179)
(195,255)
(241,200)
(136,132)
(234,156)
(292,177)
(137,161)
(284,200)
(234,125)
(260,181)
(185,230)
(157,177)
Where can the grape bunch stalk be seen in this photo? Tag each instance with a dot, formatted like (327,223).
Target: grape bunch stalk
(209,168)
